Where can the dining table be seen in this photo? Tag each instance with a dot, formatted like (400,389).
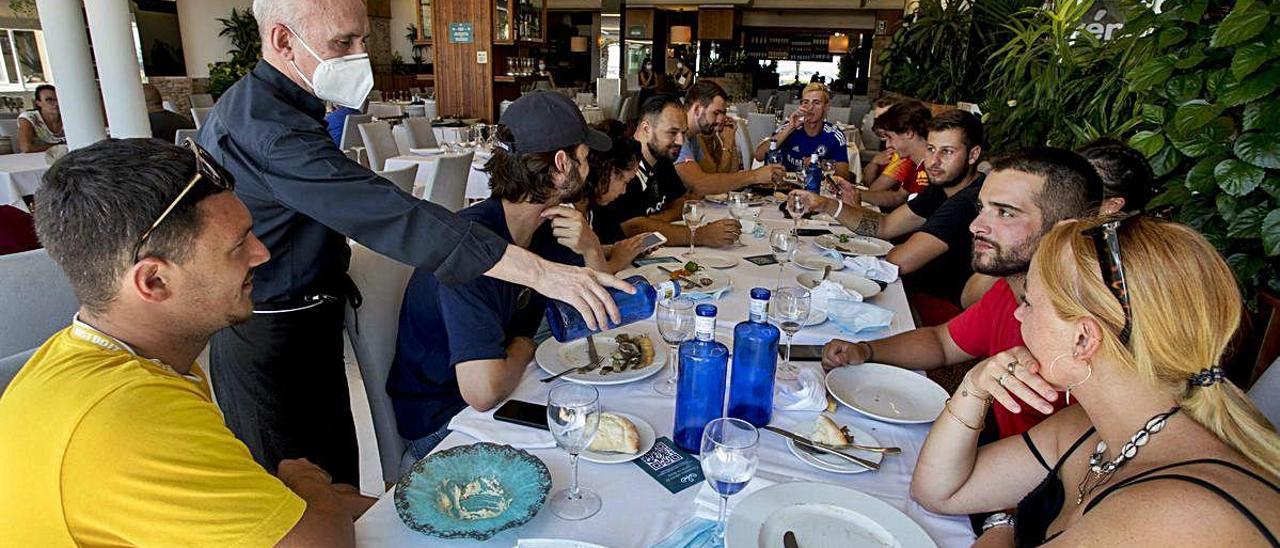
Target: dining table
(637,510)
(477,179)
(20,176)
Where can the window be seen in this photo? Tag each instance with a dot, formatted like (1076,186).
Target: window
(23,64)
(802,71)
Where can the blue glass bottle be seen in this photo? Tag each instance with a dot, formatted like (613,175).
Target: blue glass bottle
(567,324)
(755,360)
(773,156)
(813,175)
(704,364)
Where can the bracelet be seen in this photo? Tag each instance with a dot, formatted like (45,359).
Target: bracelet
(953,414)
(970,391)
(871,351)
(839,208)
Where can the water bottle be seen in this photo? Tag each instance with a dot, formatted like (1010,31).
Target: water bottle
(772,156)
(755,360)
(704,364)
(567,324)
(813,175)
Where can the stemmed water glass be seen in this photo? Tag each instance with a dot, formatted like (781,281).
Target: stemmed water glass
(729,460)
(573,415)
(790,308)
(797,207)
(740,209)
(675,324)
(694,213)
(784,243)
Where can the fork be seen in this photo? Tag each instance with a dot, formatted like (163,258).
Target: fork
(594,363)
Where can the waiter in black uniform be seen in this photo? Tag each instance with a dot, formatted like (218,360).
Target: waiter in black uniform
(280,377)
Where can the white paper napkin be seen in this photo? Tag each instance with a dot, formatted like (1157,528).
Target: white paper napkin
(707,503)
(828,290)
(873,267)
(483,427)
(806,392)
(854,317)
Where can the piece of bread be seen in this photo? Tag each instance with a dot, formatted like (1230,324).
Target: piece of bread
(826,431)
(616,435)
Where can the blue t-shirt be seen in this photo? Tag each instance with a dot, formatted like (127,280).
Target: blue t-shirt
(830,144)
(336,121)
(442,326)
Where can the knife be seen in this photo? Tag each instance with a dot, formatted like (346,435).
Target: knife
(801,440)
(591,350)
(789,540)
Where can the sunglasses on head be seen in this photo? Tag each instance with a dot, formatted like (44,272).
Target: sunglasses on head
(207,170)
(1106,241)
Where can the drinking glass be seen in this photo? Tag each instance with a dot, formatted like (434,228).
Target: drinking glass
(675,324)
(828,170)
(729,459)
(740,209)
(784,243)
(573,415)
(790,308)
(797,207)
(694,212)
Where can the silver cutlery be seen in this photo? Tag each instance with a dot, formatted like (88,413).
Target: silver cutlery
(806,442)
(593,363)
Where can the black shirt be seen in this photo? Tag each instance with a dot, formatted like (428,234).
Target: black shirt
(652,190)
(307,197)
(165,124)
(946,218)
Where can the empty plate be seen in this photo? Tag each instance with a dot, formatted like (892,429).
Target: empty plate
(821,516)
(851,282)
(887,393)
(714,260)
(818,261)
(852,244)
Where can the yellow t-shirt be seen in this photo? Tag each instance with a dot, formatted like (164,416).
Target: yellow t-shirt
(101,447)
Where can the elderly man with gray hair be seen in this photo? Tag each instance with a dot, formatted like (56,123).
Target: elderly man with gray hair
(280,378)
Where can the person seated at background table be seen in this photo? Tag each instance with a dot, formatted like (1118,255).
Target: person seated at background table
(1026,193)
(336,121)
(1127,185)
(1158,446)
(886,156)
(683,76)
(934,258)
(467,344)
(709,161)
(905,130)
(110,434)
(818,135)
(164,123)
(41,129)
(654,199)
(610,171)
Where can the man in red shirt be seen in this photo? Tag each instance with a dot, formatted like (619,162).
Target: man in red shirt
(1027,192)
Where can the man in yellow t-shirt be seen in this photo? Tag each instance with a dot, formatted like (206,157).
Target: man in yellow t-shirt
(109,435)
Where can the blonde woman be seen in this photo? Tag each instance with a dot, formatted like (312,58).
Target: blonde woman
(1159,449)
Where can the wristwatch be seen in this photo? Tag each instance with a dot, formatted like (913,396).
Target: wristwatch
(998,519)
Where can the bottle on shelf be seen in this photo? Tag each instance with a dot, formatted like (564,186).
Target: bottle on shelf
(813,174)
(704,364)
(567,324)
(755,360)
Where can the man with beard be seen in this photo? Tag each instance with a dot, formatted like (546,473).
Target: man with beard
(111,436)
(709,161)
(1027,192)
(934,259)
(468,344)
(655,198)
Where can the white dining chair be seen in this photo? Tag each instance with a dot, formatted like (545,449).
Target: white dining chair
(372,330)
(384,110)
(201,100)
(379,143)
(448,185)
(746,108)
(200,114)
(419,133)
(759,128)
(838,115)
(9,128)
(183,134)
(351,139)
(741,137)
(36,300)
(584,99)
(1265,392)
(402,177)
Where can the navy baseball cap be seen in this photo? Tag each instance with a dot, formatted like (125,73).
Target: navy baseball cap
(545,121)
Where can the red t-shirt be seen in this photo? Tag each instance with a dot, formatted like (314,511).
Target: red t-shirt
(909,175)
(988,328)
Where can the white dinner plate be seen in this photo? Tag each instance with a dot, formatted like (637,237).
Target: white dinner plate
(647,439)
(857,245)
(816,261)
(553,356)
(815,317)
(723,199)
(714,260)
(851,282)
(656,275)
(887,393)
(821,516)
(832,463)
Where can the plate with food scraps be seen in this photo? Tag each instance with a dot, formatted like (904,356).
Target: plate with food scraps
(629,353)
(853,244)
(833,463)
(693,278)
(620,438)
(723,199)
(714,260)
(818,261)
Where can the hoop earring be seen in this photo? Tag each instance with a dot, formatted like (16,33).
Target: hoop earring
(1070,387)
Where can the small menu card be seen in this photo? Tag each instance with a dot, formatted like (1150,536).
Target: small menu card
(671,466)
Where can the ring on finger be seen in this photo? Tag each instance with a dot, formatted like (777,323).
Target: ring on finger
(1000,381)
(1011,366)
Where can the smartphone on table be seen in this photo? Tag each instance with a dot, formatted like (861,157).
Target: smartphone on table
(524,413)
(803,352)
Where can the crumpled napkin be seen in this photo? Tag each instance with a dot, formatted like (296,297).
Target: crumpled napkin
(806,392)
(483,427)
(873,268)
(828,290)
(700,296)
(853,316)
(700,530)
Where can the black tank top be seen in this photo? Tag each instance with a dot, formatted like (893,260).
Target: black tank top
(1042,505)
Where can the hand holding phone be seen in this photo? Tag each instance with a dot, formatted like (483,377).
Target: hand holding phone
(652,241)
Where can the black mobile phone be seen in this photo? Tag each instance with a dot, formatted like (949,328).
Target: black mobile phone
(811,231)
(524,413)
(763,260)
(803,352)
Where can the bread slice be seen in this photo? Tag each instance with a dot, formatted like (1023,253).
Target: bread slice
(616,435)
(826,431)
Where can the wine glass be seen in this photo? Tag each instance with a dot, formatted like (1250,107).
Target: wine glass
(797,206)
(784,243)
(573,415)
(740,209)
(729,459)
(790,308)
(694,212)
(675,324)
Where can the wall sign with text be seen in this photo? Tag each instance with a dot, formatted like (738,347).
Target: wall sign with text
(460,33)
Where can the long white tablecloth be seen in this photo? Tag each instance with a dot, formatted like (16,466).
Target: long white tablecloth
(20,176)
(637,510)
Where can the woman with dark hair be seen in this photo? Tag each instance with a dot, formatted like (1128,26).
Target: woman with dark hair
(648,80)
(610,172)
(41,129)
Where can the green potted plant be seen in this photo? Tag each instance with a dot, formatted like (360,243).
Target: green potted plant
(246,49)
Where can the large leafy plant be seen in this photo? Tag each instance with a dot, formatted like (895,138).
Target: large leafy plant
(246,49)
(1210,124)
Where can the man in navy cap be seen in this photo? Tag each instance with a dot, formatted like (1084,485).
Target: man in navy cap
(469,344)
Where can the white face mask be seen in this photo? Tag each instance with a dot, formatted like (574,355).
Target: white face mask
(345,80)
